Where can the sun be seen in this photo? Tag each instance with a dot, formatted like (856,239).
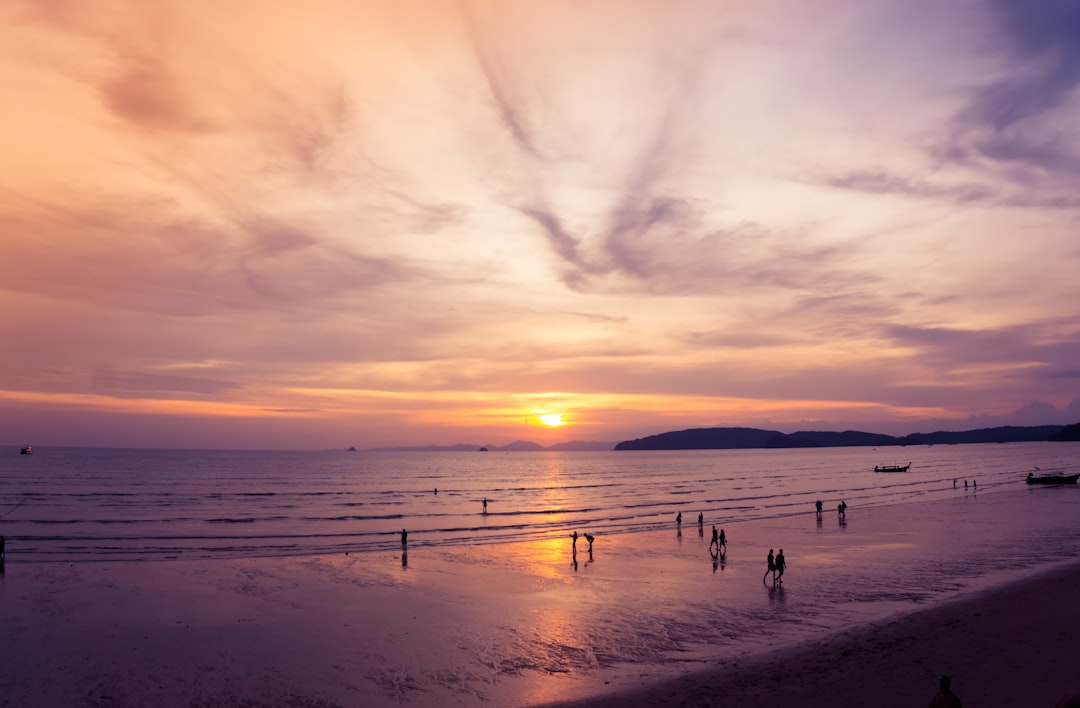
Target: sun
(552,420)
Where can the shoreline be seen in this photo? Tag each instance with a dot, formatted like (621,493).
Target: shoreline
(650,620)
(1010,645)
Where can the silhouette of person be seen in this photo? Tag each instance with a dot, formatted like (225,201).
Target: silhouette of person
(781,564)
(700,518)
(436,491)
(945,698)
(818,505)
(841,508)
(404,538)
(965,484)
(589,538)
(771,567)
(485,505)
(954,482)
(678,519)
(975,483)
(574,536)
(722,541)
(715,540)
(3,545)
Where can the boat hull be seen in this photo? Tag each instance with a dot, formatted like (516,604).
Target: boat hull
(1053,479)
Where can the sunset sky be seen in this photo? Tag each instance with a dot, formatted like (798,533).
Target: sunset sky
(238,224)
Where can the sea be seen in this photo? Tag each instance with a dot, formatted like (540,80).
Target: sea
(67,504)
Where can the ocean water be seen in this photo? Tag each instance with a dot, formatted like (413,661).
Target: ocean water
(98,504)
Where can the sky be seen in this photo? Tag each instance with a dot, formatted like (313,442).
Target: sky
(285,225)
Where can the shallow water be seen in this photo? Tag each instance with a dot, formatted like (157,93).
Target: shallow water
(66,503)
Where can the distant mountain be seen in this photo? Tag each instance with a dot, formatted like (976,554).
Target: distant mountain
(1070,433)
(741,438)
(516,446)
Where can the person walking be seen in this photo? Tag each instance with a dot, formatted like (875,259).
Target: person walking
(781,564)
(771,567)
(945,698)
(715,540)
(722,541)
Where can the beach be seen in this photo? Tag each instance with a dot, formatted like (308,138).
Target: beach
(1014,646)
(873,609)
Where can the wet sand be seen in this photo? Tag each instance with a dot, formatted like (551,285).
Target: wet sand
(1014,646)
(648,620)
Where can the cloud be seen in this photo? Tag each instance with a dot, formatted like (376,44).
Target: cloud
(1013,119)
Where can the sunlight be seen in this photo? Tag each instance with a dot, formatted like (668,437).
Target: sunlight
(553,420)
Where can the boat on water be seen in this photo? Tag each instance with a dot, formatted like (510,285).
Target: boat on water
(27,451)
(1052,478)
(892,468)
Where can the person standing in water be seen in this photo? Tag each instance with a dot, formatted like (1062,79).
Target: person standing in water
(722,541)
(715,540)
(574,537)
(678,519)
(589,537)
(781,564)
(771,567)
(404,538)
(485,505)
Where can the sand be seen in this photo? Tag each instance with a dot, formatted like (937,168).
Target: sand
(326,631)
(650,620)
(1014,646)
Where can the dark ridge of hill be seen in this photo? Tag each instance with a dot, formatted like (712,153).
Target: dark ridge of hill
(1070,433)
(1004,434)
(713,439)
(742,438)
(848,438)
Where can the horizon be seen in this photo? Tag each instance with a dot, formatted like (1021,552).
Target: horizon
(411,225)
(547,448)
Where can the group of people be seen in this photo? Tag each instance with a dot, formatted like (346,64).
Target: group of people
(841,508)
(777,566)
(588,537)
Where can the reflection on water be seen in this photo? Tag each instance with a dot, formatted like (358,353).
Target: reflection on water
(71,503)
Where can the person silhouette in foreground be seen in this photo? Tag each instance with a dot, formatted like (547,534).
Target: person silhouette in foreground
(404,538)
(771,568)
(715,540)
(945,698)
(589,537)
(781,565)
(721,542)
(574,537)
(678,519)
(817,505)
